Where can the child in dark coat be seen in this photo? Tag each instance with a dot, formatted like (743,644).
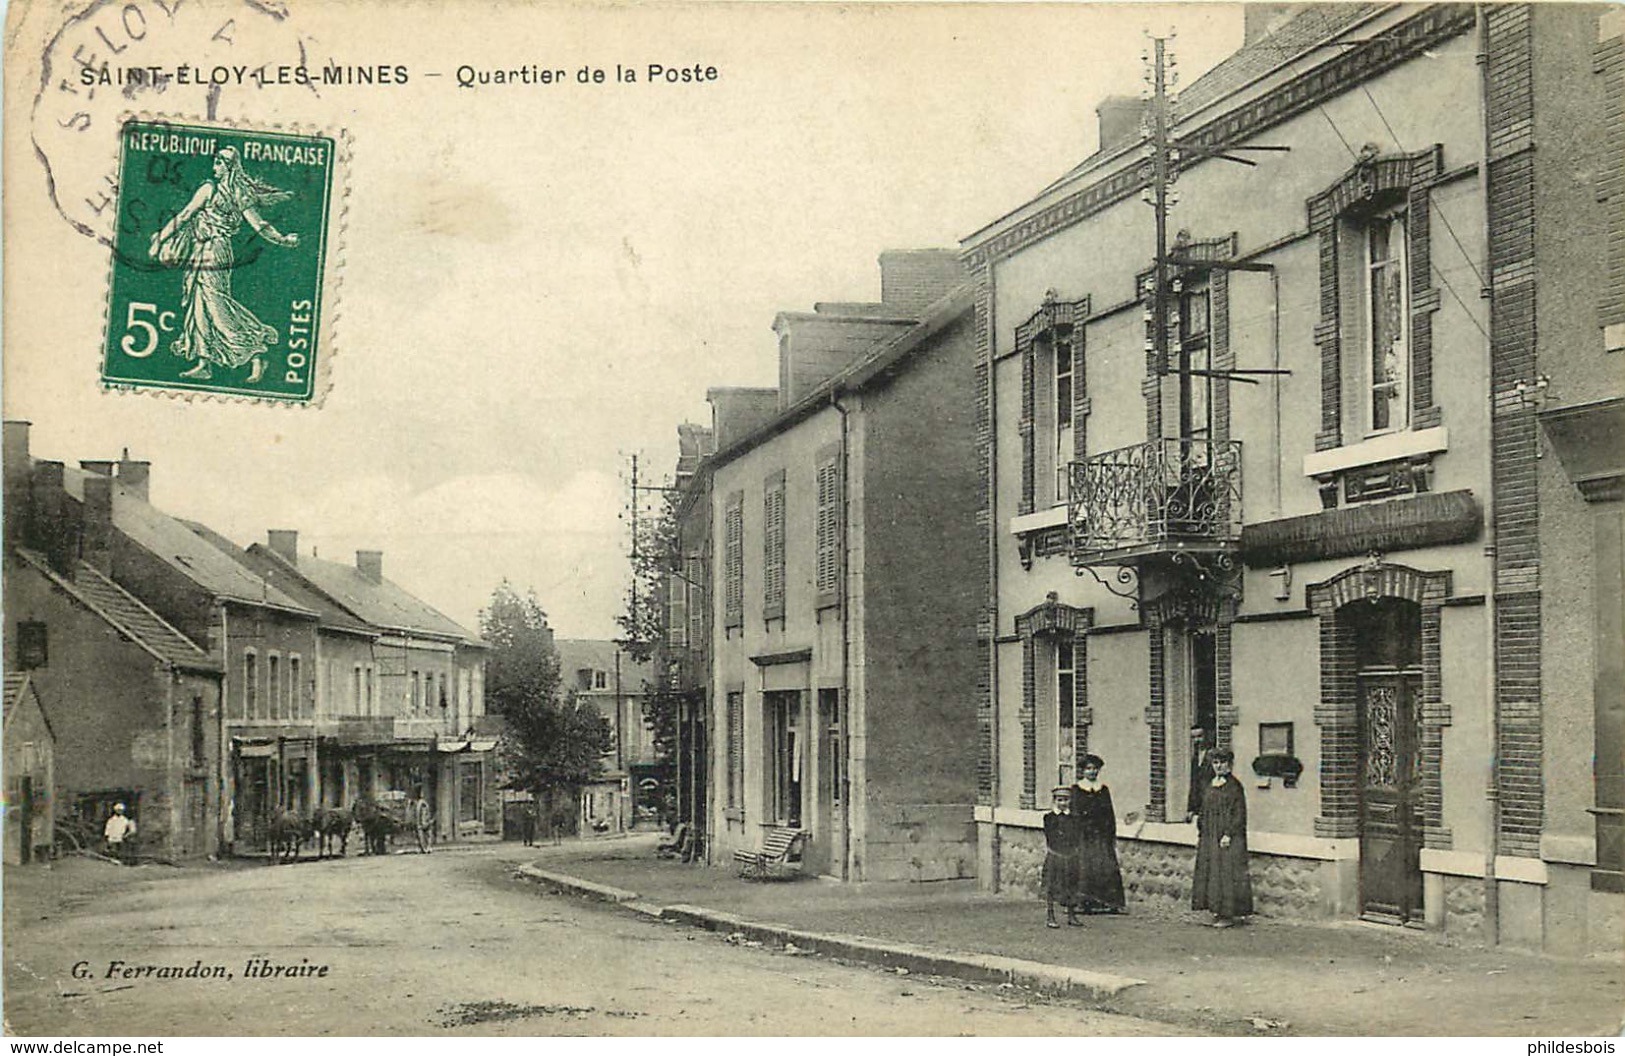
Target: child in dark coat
(1222,884)
(1060,879)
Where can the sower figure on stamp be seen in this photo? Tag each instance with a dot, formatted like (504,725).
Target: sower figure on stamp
(215,329)
(1222,884)
(1100,879)
(1060,877)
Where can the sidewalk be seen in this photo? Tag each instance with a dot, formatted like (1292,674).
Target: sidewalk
(1268,977)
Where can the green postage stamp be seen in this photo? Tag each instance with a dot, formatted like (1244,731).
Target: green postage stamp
(221,261)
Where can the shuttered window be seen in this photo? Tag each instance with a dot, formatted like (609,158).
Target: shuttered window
(676,612)
(736,749)
(733,560)
(696,604)
(773,547)
(827,530)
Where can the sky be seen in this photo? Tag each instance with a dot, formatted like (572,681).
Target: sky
(535,282)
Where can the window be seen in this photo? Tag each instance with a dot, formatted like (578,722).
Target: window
(736,750)
(468,795)
(584,678)
(1061,346)
(1195,358)
(273,686)
(296,692)
(600,680)
(773,547)
(733,562)
(367,684)
(358,700)
(1387,318)
(827,529)
(676,612)
(31,645)
(696,603)
(198,743)
(786,750)
(1066,695)
(417,694)
(251,684)
(444,700)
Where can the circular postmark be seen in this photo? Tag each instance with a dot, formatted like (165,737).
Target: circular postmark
(194,57)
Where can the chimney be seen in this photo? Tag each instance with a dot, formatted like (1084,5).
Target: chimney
(1260,20)
(52,530)
(96,542)
(19,467)
(913,279)
(98,466)
(133,475)
(1119,120)
(370,563)
(284,542)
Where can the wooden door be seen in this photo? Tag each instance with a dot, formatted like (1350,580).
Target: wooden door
(1390,807)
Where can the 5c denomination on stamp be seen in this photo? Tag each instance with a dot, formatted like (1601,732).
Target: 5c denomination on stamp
(221,261)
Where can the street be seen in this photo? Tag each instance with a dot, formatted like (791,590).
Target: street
(449,943)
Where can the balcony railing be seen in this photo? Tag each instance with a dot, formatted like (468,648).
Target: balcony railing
(1153,497)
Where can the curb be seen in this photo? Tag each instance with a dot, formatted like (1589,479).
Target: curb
(975,967)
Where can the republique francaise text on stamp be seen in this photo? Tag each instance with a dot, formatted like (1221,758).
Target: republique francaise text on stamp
(221,261)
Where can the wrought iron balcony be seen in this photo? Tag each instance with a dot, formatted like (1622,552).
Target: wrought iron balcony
(1153,498)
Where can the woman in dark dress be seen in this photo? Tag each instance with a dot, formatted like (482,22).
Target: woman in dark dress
(1100,880)
(1222,884)
(1060,879)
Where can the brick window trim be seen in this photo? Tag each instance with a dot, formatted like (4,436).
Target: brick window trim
(1374,179)
(1048,621)
(1194,608)
(1052,315)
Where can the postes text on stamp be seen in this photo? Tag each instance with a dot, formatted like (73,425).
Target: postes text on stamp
(219,261)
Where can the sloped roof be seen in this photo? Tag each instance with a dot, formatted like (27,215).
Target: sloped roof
(15,681)
(125,613)
(381,603)
(1309,27)
(173,542)
(265,562)
(598,654)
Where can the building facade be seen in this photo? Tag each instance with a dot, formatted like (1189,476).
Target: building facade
(842,575)
(30,761)
(1328,453)
(628,793)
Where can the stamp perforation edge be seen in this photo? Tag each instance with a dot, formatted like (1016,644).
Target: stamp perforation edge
(330,286)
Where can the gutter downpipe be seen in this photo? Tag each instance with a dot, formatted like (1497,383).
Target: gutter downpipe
(1492,786)
(846,644)
(996,772)
(223,802)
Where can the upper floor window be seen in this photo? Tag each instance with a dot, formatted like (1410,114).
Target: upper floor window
(31,645)
(676,611)
(251,684)
(1387,315)
(1053,399)
(696,602)
(600,680)
(733,561)
(773,547)
(273,685)
(296,692)
(198,732)
(1195,362)
(827,528)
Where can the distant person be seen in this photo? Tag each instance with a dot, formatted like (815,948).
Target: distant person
(1201,770)
(527,824)
(1222,884)
(1100,879)
(561,822)
(422,822)
(119,833)
(1060,876)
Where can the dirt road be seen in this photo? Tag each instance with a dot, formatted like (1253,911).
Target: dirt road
(448,943)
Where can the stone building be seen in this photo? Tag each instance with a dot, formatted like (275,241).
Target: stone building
(842,571)
(1339,570)
(627,793)
(30,769)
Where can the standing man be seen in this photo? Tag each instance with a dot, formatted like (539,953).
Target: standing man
(423,823)
(527,823)
(119,833)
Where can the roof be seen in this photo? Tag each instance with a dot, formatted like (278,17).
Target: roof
(599,655)
(264,561)
(125,613)
(17,684)
(173,542)
(1300,36)
(381,603)
(884,359)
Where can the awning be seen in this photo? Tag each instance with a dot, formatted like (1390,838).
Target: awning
(449,745)
(482,744)
(256,751)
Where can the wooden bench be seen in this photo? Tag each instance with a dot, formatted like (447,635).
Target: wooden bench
(675,844)
(779,847)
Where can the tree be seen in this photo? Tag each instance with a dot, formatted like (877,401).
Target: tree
(656,556)
(550,743)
